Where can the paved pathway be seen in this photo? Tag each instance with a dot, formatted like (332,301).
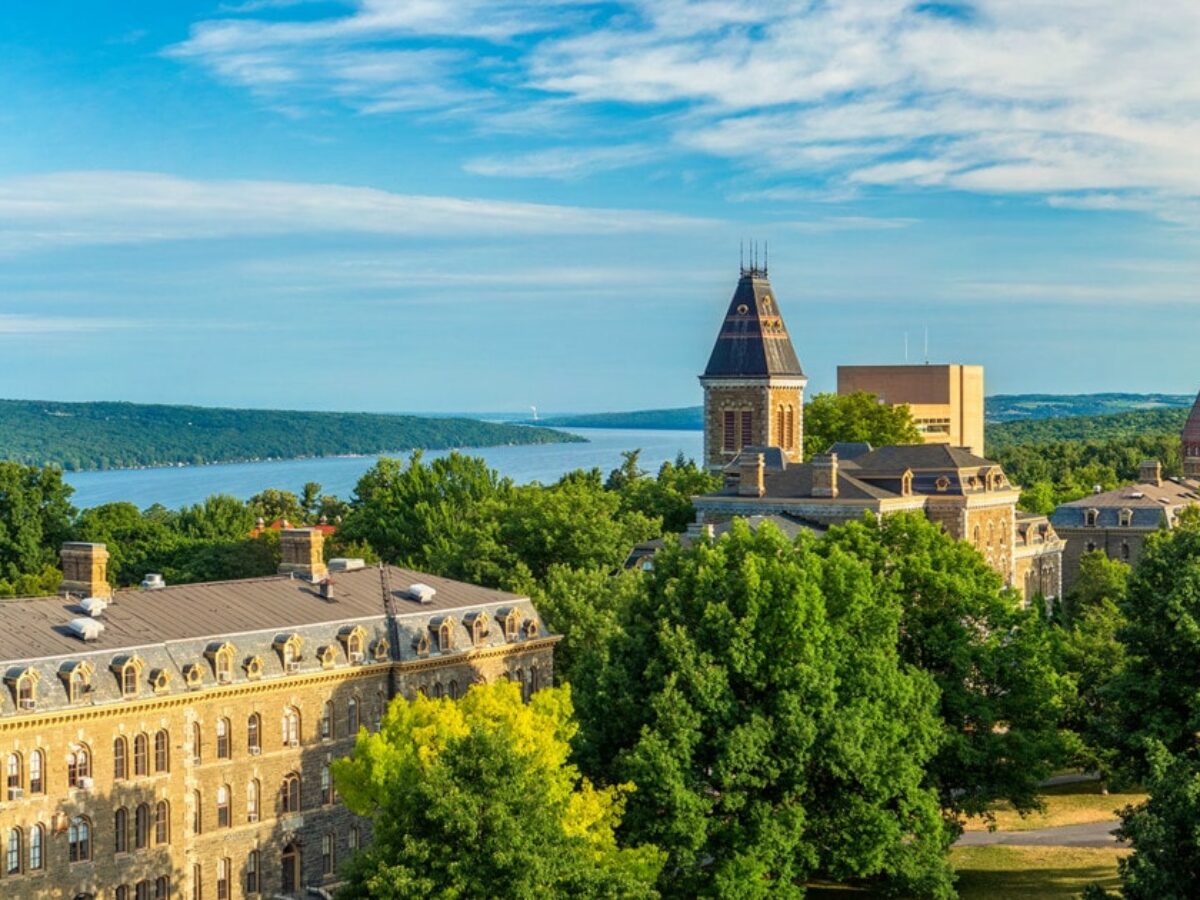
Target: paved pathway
(1096,834)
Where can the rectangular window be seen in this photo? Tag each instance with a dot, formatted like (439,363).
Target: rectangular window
(252,872)
(729,435)
(222,879)
(327,854)
(747,436)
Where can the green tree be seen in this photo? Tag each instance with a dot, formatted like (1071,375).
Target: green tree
(668,496)
(219,517)
(860,416)
(310,500)
(137,543)
(35,518)
(755,696)
(273,504)
(992,660)
(476,798)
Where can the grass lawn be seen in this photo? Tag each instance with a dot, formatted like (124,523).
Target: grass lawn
(1066,804)
(999,873)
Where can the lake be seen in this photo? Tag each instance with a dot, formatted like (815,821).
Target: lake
(174,487)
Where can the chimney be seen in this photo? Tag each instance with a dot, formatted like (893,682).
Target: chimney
(1150,472)
(303,553)
(750,475)
(327,588)
(85,570)
(825,475)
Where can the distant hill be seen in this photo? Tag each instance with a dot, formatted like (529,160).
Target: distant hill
(127,435)
(688,418)
(1140,423)
(1000,408)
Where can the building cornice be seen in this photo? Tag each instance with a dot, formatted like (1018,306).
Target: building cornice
(771,381)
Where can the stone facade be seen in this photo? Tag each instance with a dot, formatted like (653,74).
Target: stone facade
(217,745)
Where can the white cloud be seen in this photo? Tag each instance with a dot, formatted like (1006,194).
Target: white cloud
(16,324)
(131,207)
(559,162)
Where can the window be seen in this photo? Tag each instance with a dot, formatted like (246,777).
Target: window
(438,691)
(162,887)
(252,872)
(79,766)
(27,691)
(223,751)
(162,822)
(780,426)
(13,769)
(222,879)
(512,626)
(130,679)
(252,791)
(382,647)
(789,430)
(36,784)
(352,715)
(141,827)
(289,651)
(1126,518)
(326,785)
(1125,551)
(223,817)
(162,751)
(289,794)
(123,892)
(197,744)
(354,646)
(535,682)
(36,836)
(327,721)
(12,855)
(1091,517)
(352,838)
(747,436)
(291,727)
(141,890)
(141,753)
(453,689)
(728,434)
(1091,546)
(445,637)
(79,839)
(121,831)
(253,733)
(197,813)
(120,759)
(380,709)
(223,665)
(197,882)
(327,854)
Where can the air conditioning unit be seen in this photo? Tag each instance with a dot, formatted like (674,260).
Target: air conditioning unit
(251,817)
(293,666)
(16,793)
(294,742)
(255,751)
(85,783)
(357,657)
(28,703)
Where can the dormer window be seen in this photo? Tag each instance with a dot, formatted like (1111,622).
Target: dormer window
(511,618)
(477,627)
(193,675)
(420,644)
(77,677)
(1126,518)
(253,666)
(942,484)
(355,641)
(1091,518)
(444,629)
(160,680)
(325,656)
(382,647)
(24,686)
(906,482)
(221,655)
(289,646)
(129,672)
(531,629)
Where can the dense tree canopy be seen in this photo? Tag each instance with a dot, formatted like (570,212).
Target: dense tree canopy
(860,416)
(993,661)
(476,798)
(755,695)
(35,518)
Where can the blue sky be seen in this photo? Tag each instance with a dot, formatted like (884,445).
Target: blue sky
(487,204)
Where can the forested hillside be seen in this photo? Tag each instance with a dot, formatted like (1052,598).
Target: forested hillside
(687,418)
(1142,423)
(122,435)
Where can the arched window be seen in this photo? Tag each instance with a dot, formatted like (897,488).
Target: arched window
(453,689)
(352,716)
(197,813)
(27,691)
(438,691)
(162,822)
(141,890)
(356,639)
(122,892)
(79,766)
(121,830)
(728,431)
(326,785)
(252,793)
(141,827)
(79,839)
(789,429)
(197,743)
(223,748)
(352,838)
(120,758)
(327,721)
(130,679)
(478,630)
(1091,518)
(1125,551)
(289,794)
(781,426)
(224,820)
(36,837)
(512,625)
(223,879)
(13,769)
(13,852)
(141,753)
(254,733)
(223,664)
(37,784)
(445,637)
(252,872)
(162,887)
(291,727)
(162,751)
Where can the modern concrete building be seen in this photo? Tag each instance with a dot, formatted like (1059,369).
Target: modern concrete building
(946,400)
(176,742)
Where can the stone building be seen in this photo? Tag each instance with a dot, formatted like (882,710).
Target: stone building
(946,401)
(753,384)
(176,742)
(970,496)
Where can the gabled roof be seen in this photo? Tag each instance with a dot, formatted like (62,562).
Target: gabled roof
(897,457)
(753,341)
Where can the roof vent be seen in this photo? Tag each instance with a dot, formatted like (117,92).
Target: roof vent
(422,593)
(1137,495)
(94,606)
(1097,489)
(344,564)
(327,589)
(153,582)
(85,629)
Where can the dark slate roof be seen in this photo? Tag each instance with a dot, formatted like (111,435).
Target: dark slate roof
(898,457)
(1150,504)
(753,341)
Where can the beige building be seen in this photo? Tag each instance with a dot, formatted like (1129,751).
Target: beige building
(946,400)
(177,742)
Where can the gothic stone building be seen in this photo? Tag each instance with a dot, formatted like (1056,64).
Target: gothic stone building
(176,742)
(753,388)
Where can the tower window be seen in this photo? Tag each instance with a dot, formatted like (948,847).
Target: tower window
(747,429)
(729,435)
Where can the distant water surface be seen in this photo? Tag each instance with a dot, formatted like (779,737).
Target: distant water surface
(174,487)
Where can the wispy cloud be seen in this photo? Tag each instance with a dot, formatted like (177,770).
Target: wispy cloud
(16,324)
(135,207)
(560,162)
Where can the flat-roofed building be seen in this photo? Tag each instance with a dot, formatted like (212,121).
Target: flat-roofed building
(177,741)
(946,400)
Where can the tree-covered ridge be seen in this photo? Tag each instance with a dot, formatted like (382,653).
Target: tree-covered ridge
(687,418)
(1096,428)
(1012,407)
(125,435)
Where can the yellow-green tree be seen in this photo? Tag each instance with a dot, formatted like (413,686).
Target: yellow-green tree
(476,798)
